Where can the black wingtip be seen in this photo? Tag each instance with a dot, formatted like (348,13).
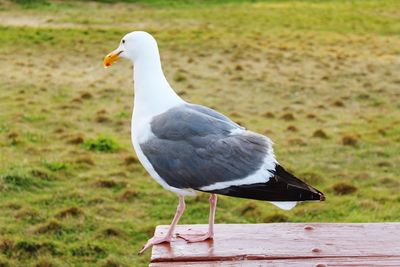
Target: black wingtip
(321,197)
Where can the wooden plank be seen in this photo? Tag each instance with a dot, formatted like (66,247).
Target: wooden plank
(315,262)
(278,241)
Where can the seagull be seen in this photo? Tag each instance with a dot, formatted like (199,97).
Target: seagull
(189,148)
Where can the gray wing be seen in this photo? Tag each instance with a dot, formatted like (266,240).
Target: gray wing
(213,113)
(194,146)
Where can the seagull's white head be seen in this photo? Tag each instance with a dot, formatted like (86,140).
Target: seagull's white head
(134,46)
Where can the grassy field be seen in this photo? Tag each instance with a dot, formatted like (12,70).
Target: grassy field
(320,78)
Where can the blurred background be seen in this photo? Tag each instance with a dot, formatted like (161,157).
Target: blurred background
(320,78)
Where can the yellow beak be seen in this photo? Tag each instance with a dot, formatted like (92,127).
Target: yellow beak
(111,58)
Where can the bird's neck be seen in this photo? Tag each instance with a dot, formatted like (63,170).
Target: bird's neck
(153,94)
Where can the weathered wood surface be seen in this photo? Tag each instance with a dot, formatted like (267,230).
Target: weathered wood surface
(314,262)
(280,244)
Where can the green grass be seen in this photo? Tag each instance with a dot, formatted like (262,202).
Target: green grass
(101,144)
(18,182)
(55,166)
(320,78)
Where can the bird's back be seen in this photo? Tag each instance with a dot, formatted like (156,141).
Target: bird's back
(194,147)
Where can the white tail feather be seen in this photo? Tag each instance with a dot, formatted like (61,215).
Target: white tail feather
(285,205)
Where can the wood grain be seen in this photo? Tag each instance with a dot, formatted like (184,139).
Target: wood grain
(365,244)
(314,262)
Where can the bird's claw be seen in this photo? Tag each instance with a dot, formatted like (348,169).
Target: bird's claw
(193,238)
(154,241)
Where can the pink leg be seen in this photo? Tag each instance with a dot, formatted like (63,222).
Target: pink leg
(157,240)
(210,234)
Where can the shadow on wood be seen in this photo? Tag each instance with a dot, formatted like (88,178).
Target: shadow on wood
(284,244)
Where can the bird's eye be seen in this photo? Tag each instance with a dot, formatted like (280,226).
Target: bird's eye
(123,41)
